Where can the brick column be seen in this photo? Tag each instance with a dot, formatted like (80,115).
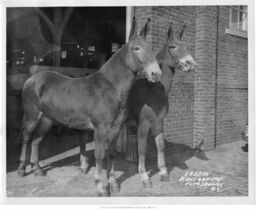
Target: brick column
(205,77)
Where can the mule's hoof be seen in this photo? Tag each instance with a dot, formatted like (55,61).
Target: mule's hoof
(164,178)
(21,172)
(147,183)
(114,187)
(105,192)
(39,173)
(84,170)
(102,190)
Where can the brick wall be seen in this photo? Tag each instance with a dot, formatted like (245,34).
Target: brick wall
(178,125)
(232,83)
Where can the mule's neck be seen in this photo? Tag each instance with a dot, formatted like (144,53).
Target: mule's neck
(168,69)
(118,70)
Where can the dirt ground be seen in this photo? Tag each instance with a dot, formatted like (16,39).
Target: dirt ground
(220,172)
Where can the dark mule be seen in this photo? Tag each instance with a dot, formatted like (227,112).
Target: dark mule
(95,102)
(148,102)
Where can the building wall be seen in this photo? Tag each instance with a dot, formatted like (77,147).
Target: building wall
(232,83)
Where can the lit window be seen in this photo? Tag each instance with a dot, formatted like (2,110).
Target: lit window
(114,47)
(238,18)
(63,54)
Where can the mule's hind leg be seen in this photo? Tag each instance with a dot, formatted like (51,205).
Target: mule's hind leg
(43,127)
(28,127)
(143,130)
(157,131)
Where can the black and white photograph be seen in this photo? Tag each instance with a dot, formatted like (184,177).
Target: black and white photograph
(127,100)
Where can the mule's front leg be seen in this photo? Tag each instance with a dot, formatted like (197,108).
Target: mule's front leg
(113,185)
(161,158)
(143,130)
(100,143)
(84,162)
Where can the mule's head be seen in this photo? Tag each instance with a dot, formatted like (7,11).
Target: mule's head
(176,54)
(141,53)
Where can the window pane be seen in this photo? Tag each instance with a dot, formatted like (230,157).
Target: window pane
(243,18)
(234,18)
(243,8)
(243,21)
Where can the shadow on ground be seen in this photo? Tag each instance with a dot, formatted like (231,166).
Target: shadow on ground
(245,148)
(176,156)
(52,145)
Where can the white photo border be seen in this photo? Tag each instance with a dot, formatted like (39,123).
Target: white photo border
(146,201)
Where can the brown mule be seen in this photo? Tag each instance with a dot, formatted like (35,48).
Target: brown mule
(95,102)
(148,103)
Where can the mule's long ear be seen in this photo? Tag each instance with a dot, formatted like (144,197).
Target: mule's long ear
(182,32)
(145,30)
(133,32)
(170,32)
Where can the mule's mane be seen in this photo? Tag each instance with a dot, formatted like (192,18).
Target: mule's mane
(115,59)
(117,66)
(167,71)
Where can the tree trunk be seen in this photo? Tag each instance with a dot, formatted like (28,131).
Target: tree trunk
(56,27)
(57,49)
(57,21)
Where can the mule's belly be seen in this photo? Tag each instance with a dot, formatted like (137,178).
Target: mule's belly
(72,120)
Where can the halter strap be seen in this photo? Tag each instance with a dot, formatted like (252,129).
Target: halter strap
(176,61)
(140,68)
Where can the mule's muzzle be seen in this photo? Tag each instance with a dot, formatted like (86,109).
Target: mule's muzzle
(155,77)
(153,72)
(187,65)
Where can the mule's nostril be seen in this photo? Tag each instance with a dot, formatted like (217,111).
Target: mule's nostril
(188,62)
(154,74)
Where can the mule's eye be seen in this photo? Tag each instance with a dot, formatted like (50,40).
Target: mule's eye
(172,47)
(136,48)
